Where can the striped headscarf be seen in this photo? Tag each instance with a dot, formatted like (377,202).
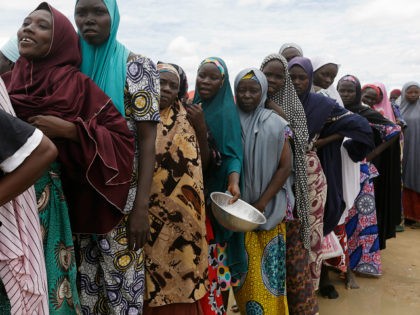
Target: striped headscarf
(288,100)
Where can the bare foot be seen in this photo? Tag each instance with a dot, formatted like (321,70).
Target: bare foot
(351,282)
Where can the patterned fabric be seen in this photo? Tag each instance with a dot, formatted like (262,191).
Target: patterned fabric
(218,276)
(58,244)
(176,254)
(216,62)
(317,188)
(289,102)
(362,228)
(263,291)
(340,263)
(301,297)
(111,275)
(141,101)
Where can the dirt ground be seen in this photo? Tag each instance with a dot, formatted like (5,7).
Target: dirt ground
(397,292)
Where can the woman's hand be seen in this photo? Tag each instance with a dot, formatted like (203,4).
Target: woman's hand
(233,187)
(259,206)
(138,228)
(195,115)
(54,127)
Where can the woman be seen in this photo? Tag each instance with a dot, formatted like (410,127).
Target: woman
(226,248)
(325,71)
(96,148)
(361,224)
(177,250)
(132,82)
(268,187)
(410,111)
(388,188)
(305,231)
(328,123)
(25,153)
(290,51)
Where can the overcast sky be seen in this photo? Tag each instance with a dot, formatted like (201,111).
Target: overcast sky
(377,40)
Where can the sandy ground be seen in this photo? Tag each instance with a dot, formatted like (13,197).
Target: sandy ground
(397,292)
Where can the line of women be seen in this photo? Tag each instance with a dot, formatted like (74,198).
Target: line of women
(124,211)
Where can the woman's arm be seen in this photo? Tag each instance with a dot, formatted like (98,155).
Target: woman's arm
(196,118)
(233,187)
(382,147)
(16,182)
(279,178)
(272,105)
(138,220)
(54,127)
(324,141)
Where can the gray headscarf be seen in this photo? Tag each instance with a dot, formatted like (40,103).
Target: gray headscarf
(263,138)
(411,162)
(288,100)
(290,45)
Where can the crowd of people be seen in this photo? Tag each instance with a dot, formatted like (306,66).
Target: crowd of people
(107,166)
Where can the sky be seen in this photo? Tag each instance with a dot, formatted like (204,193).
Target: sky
(376,40)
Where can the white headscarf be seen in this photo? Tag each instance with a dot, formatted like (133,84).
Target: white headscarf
(291,45)
(331,91)
(10,50)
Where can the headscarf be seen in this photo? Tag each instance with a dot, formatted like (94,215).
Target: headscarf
(331,92)
(106,64)
(166,67)
(384,106)
(222,119)
(411,161)
(10,50)
(396,92)
(54,86)
(288,100)
(326,117)
(290,45)
(317,107)
(262,132)
(183,85)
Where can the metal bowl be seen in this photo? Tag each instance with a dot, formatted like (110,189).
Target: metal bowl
(239,216)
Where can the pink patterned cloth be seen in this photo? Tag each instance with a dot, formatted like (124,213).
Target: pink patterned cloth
(22,264)
(317,190)
(384,107)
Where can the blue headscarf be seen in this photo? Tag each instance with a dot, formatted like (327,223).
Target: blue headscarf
(106,64)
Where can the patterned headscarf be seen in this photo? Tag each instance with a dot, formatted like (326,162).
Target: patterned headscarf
(288,100)
(166,67)
(106,64)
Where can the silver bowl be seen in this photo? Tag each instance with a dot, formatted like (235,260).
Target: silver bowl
(239,216)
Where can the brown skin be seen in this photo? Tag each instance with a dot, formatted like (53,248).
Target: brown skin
(32,168)
(324,76)
(94,23)
(290,53)
(370,97)
(412,94)
(209,81)
(274,72)
(248,95)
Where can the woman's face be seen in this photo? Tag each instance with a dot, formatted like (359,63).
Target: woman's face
(93,21)
(347,91)
(35,35)
(209,81)
(412,94)
(370,97)
(324,76)
(290,53)
(300,79)
(274,71)
(169,87)
(248,95)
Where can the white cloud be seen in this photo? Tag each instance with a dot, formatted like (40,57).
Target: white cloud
(377,40)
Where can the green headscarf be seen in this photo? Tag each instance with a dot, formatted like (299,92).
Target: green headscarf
(222,119)
(106,64)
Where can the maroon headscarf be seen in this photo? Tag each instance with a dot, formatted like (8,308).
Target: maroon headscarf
(96,172)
